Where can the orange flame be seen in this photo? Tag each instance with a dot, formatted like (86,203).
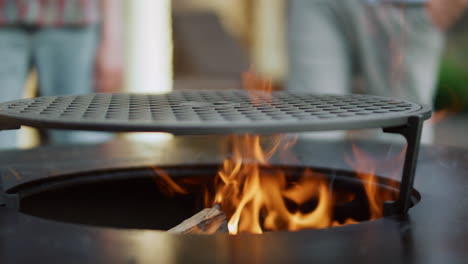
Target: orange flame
(257,197)
(253,82)
(365,168)
(254,199)
(166,184)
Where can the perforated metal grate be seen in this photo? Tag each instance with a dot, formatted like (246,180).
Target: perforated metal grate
(210,112)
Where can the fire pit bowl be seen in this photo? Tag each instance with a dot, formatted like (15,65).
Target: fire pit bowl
(136,199)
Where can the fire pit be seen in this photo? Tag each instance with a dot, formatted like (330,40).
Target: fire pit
(128,196)
(218,112)
(438,219)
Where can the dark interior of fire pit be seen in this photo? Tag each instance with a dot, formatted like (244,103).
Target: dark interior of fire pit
(135,199)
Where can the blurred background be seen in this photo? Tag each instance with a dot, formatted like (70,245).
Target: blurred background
(208,44)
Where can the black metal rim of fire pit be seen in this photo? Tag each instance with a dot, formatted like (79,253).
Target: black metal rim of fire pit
(28,192)
(210,112)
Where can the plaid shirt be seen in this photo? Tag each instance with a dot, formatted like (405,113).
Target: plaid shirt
(53,13)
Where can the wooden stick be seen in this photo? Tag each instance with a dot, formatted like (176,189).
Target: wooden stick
(208,221)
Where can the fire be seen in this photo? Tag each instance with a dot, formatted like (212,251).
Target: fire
(365,167)
(253,82)
(166,184)
(255,199)
(258,197)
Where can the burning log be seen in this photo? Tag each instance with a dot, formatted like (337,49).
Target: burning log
(208,221)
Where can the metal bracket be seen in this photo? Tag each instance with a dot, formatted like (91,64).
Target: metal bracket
(412,133)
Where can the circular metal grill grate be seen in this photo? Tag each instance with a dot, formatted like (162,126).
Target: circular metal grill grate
(210,112)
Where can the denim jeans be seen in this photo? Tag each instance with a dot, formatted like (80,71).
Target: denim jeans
(64,59)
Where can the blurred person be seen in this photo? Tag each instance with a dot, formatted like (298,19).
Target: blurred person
(387,47)
(74,45)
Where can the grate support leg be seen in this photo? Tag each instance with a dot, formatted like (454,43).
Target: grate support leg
(412,133)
